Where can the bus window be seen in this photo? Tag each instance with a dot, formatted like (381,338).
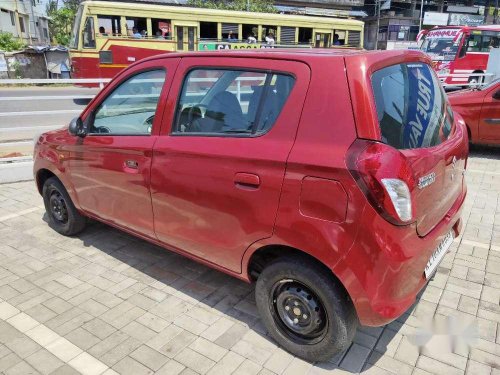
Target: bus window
(287,35)
(230,31)
(109,25)
(208,30)
(305,35)
(137,27)
(474,43)
(76,29)
(161,26)
(338,37)
(354,38)
(269,32)
(250,31)
(88,33)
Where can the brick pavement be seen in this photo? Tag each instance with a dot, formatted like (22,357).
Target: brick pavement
(107,303)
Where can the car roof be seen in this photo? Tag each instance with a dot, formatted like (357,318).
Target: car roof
(302,54)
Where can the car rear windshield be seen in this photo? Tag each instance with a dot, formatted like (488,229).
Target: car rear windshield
(412,108)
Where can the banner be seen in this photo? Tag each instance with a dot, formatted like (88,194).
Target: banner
(458,19)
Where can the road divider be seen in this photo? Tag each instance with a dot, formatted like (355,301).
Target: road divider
(25,133)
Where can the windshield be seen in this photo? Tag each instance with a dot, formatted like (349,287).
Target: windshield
(440,49)
(76,29)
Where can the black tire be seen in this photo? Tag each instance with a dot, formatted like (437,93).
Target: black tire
(303,285)
(63,216)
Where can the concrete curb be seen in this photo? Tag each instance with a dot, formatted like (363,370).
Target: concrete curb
(16,172)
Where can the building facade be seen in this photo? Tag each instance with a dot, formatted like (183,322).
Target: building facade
(25,19)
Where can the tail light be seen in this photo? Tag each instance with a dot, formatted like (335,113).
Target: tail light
(385,177)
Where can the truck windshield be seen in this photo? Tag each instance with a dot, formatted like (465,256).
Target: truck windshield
(444,49)
(76,29)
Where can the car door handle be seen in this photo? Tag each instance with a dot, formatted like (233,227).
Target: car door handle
(246,181)
(131,164)
(493,121)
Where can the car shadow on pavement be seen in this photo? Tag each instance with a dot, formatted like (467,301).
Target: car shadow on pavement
(485,152)
(188,285)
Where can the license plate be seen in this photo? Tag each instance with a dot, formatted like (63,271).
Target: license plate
(438,255)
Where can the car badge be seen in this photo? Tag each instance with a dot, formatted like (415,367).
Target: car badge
(426,180)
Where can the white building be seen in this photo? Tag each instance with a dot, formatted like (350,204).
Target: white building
(25,19)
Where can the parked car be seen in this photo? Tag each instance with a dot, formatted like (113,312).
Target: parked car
(480,109)
(333,179)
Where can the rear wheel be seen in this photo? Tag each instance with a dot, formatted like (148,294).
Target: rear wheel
(63,216)
(304,309)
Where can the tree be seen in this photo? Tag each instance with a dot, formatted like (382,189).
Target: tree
(262,6)
(8,43)
(61,20)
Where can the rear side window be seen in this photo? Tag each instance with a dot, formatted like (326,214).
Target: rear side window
(238,102)
(412,108)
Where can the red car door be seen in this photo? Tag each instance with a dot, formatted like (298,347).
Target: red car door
(489,121)
(219,164)
(110,167)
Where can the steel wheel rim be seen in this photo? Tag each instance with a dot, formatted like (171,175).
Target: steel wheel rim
(298,312)
(58,207)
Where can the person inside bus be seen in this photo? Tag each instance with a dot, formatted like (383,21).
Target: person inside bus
(336,40)
(136,33)
(270,38)
(494,43)
(251,39)
(102,31)
(144,34)
(230,37)
(159,34)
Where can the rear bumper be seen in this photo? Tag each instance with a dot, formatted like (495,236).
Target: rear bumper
(384,270)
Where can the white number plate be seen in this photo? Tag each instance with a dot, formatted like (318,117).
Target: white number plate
(438,255)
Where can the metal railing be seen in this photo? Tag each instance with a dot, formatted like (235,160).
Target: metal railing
(482,79)
(19,139)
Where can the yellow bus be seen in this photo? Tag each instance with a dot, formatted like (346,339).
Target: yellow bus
(110,35)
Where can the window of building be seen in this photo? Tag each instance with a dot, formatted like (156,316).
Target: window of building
(305,35)
(137,27)
(109,25)
(88,34)
(354,38)
(45,33)
(208,30)
(131,107)
(162,29)
(231,102)
(21,24)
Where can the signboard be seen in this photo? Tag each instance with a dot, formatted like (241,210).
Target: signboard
(328,2)
(457,19)
(436,19)
(391,44)
(218,46)
(443,33)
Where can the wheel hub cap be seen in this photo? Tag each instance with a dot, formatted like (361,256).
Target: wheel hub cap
(58,207)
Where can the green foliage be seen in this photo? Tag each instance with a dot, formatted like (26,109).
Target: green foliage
(8,43)
(262,6)
(61,20)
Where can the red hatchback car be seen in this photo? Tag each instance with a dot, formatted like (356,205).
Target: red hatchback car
(480,109)
(333,179)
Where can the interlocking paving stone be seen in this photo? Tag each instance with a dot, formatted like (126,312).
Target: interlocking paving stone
(107,303)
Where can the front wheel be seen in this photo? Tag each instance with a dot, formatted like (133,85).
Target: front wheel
(63,216)
(304,309)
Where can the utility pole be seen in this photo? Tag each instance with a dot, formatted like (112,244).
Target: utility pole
(495,14)
(377,7)
(422,14)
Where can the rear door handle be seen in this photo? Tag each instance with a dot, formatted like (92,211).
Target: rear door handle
(246,181)
(493,121)
(131,164)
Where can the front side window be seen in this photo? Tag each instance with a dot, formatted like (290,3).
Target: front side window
(219,101)
(89,33)
(76,29)
(412,108)
(131,107)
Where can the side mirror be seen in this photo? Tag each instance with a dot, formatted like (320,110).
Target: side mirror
(76,127)
(496,95)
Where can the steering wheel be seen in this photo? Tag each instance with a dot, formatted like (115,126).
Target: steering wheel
(194,111)
(102,130)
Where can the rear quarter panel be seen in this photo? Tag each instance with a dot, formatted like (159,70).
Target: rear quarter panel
(468,104)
